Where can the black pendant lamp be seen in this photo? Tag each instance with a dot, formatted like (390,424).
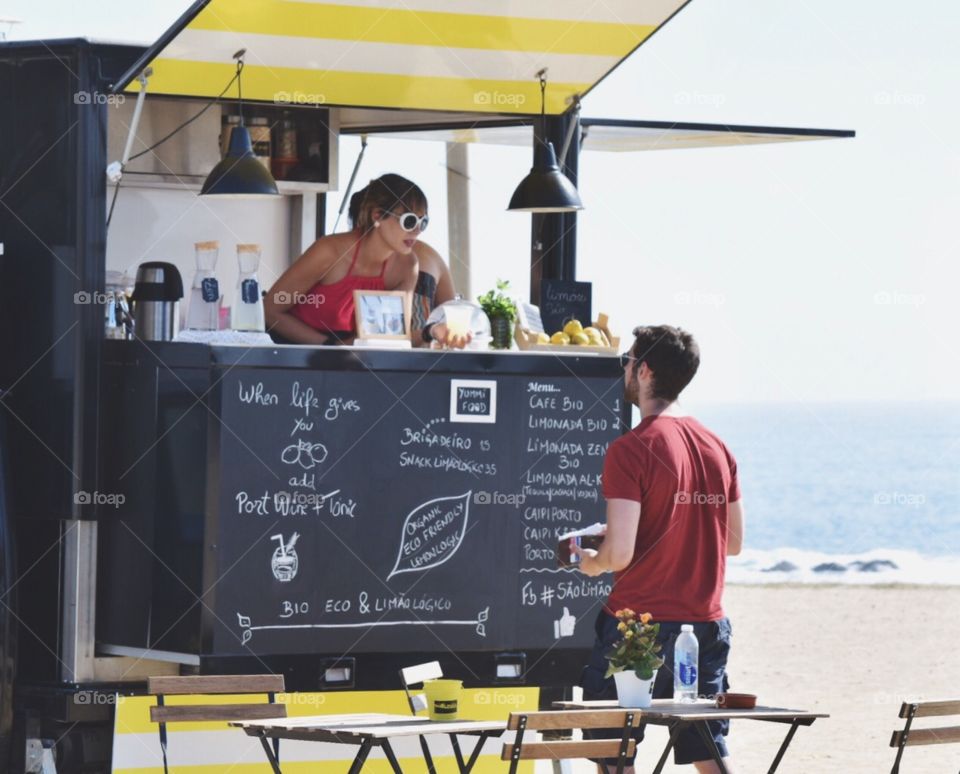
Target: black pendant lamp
(240,173)
(546,188)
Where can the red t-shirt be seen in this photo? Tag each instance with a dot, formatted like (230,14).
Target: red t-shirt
(683,476)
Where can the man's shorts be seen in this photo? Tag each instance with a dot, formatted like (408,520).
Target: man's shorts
(714,640)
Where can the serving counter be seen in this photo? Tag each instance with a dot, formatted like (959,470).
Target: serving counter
(336,513)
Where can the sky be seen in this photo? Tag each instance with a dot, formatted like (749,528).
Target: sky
(818,271)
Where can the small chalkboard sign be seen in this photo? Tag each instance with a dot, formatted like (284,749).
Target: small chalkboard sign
(473,400)
(563,300)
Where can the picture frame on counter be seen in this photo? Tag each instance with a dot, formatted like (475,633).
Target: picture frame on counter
(383,315)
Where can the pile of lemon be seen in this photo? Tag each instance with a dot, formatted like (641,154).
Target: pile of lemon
(575,334)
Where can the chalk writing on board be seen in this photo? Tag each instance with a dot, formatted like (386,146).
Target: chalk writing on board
(432,533)
(247,628)
(473,400)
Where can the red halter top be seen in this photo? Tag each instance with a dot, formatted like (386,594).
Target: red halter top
(330,308)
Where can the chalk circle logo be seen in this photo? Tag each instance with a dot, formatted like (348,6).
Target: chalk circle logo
(284,563)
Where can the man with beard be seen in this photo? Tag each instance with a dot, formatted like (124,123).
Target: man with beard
(673,517)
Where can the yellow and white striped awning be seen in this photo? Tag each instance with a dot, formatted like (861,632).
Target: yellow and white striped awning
(452,55)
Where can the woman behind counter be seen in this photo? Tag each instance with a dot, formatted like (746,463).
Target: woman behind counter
(312,302)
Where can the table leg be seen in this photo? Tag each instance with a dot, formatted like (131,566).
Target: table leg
(703,729)
(427,757)
(388,751)
(361,757)
(674,733)
(783,747)
(455,744)
(268,749)
(476,752)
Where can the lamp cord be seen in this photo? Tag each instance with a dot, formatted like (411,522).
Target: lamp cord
(158,143)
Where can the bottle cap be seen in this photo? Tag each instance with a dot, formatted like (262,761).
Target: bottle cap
(686,628)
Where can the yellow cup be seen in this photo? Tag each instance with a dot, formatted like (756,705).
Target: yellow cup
(443,698)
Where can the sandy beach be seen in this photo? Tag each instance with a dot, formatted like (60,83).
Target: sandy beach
(852,652)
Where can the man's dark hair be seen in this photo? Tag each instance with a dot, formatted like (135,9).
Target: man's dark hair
(671,353)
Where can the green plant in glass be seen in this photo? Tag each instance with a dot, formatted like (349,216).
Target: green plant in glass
(502,311)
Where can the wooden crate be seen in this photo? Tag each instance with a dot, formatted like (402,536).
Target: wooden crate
(528,341)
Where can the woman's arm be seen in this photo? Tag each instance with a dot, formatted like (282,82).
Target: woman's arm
(433,264)
(290,288)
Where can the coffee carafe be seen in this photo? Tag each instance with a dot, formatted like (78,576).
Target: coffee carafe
(156,301)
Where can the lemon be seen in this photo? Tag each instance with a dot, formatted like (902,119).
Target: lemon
(559,338)
(574,326)
(579,338)
(543,338)
(594,335)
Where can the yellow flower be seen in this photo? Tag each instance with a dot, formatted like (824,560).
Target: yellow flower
(645,618)
(622,626)
(628,612)
(627,634)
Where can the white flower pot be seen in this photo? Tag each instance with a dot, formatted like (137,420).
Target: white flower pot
(632,691)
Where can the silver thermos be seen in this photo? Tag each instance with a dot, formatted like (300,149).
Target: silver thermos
(156,301)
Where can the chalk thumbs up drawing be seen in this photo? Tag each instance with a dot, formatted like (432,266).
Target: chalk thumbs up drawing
(565,626)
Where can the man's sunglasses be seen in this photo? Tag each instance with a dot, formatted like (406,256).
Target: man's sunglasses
(625,359)
(410,221)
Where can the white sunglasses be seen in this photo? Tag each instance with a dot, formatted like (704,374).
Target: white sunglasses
(410,221)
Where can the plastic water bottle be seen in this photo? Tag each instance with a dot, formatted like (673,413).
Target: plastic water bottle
(686,656)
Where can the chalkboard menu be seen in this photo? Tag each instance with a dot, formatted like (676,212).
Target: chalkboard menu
(563,300)
(366,511)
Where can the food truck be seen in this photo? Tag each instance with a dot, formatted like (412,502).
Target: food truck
(332,514)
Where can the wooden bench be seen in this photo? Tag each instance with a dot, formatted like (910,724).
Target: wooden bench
(909,736)
(162,713)
(521,722)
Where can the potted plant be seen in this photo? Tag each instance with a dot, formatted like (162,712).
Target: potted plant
(502,311)
(634,659)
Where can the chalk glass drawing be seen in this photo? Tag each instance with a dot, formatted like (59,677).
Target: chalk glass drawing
(432,533)
(565,626)
(247,628)
(304,454)
(285,562)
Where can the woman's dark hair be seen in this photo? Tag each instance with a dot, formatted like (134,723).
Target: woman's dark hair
(385,193)
(671,353)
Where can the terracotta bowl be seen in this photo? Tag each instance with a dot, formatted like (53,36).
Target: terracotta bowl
(736,701)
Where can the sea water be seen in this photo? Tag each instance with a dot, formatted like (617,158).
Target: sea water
(845,493)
